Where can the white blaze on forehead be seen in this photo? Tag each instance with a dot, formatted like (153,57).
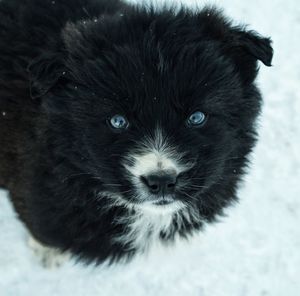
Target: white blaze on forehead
(155,154)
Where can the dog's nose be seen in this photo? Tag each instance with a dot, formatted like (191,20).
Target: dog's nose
(160,183)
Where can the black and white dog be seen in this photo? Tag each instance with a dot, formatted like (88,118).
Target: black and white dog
(121,126)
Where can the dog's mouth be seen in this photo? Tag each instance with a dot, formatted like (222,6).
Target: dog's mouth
(141,197)
(161,205)
(162,202)
(155,204)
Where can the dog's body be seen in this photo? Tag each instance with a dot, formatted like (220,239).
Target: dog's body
(120,126)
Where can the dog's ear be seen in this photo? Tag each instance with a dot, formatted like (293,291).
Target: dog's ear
(259,47)
(246,48)
(44,73)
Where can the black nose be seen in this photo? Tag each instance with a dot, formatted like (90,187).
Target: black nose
(160,183)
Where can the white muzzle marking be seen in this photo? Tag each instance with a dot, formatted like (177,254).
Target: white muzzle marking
(154,155)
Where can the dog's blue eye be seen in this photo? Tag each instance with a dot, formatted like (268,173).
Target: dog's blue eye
(119,122)
(196,119)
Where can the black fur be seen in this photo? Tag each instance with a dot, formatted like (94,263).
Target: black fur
(67,66)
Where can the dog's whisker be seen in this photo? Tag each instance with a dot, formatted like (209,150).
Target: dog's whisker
(74,176)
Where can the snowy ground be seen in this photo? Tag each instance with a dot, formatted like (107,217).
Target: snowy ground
(254,251)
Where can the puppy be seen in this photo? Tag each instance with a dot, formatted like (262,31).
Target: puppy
(123,126)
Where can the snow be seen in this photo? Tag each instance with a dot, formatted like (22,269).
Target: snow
(254,251)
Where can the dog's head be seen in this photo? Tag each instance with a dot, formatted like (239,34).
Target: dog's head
(158,107)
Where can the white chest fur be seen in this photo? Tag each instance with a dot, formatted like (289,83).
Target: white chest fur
(144,227)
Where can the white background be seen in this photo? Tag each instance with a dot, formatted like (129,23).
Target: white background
(254,251)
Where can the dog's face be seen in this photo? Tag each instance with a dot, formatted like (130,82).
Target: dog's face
(159,109)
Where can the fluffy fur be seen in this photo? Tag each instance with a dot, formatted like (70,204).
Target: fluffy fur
(67,67)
